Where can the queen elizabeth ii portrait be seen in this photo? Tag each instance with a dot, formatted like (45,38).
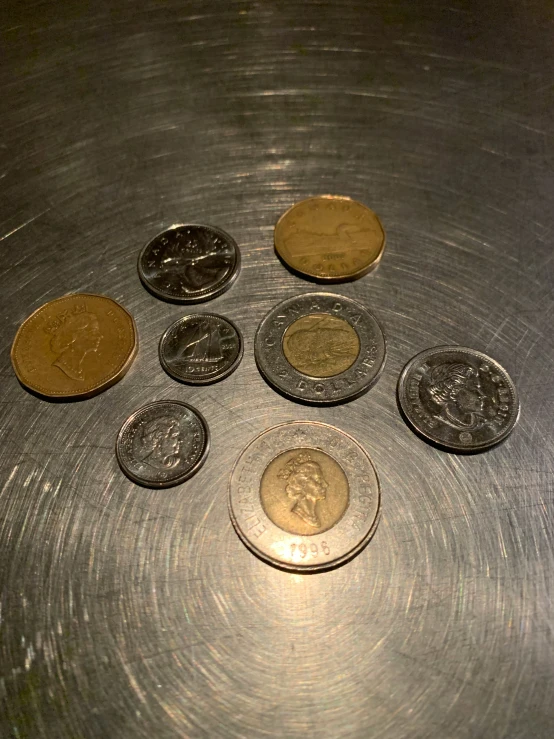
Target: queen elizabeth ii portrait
(160,443)
(77,337)
(305,487)
(455,389)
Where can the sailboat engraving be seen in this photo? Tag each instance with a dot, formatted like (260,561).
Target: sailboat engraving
(204,347)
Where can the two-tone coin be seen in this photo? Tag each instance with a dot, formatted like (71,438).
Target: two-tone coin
(163,444)
(189,263)
(330,238)
(320,348)
(458,398)
(75,346)
(304,496)
(201,348)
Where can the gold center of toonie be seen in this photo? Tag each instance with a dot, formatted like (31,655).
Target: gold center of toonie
(321,345)
(304,491)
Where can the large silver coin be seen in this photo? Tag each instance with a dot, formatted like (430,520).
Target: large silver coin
(304,496)
(201,348)
(320,348)
(163,444)
(189,263)
(458,398)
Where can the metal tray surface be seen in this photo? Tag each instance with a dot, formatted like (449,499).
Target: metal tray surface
(131,613)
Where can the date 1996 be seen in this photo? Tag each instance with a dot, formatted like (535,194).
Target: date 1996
(304,550)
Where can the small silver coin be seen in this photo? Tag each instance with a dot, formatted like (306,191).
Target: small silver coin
(458,398)
(320,348)
(304,496)
(201,348)
(163,444)
(189,263)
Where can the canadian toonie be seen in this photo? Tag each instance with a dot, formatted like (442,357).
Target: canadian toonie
(304,496)
(330,238)
(201,348)
(320,348)
(459,398)
(163,444)
(189,263)
(75,346)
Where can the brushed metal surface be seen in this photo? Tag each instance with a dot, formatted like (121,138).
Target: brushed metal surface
(128,612)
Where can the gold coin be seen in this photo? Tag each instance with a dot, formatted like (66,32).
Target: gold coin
(304,491)
(74,347)
(321,345)
(330,238)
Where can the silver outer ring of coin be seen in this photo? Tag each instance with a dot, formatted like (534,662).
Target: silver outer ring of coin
(216,376)
(443,434)
(322,551)
(166,480)
(202,295)
(348,385)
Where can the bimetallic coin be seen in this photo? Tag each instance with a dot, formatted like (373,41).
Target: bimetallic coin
(458,398)
(304,496)
(330,238)
(201,348)
(189,263)
(74,347)
(320,348)
(163,444)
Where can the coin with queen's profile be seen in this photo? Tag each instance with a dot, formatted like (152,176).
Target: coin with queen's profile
(458,398)
(304,496)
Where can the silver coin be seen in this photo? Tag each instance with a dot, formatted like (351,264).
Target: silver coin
(320,348)
(458,398)
(189,263)
(201,348)
(163,444)
(304,496)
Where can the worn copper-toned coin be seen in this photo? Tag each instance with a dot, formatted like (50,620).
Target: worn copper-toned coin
(330,238)
(304,496)
(163,444)
(201,348)
(75,346)
(320,348)
(189,263)
(458,398)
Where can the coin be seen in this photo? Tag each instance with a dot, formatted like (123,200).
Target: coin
(458,398)
(201,348)
(320,348)
(330,238)
(74,347)
(189,263)
(163,444)
(304,496)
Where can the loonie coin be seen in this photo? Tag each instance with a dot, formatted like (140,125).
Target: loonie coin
(458,398)
(201,348)
(320,348)
(189,263)
(304,496)
(74,347)
(330,238)
(163,444)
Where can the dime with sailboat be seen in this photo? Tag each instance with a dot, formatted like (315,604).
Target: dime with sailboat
(201,348)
